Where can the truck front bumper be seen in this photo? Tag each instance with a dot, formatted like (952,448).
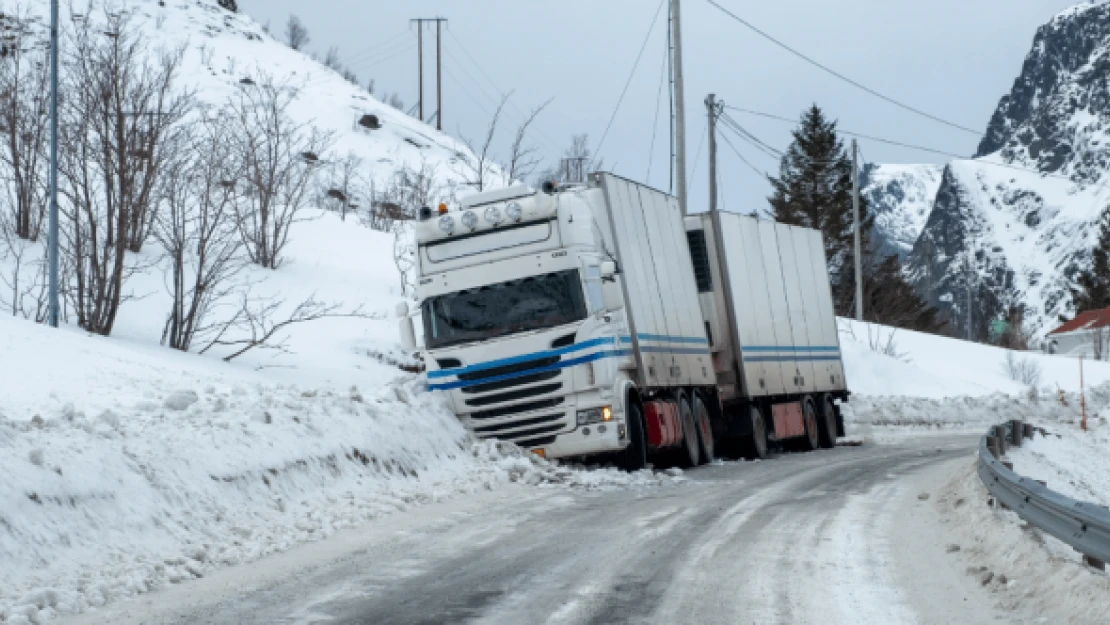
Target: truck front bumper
(596,438)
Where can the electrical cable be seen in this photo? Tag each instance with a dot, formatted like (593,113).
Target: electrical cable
(655,123)
(841,76)
(906,145)
(740,156)
(631,75)
(697,158)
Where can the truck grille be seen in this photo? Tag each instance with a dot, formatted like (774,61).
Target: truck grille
(516,408)
(536,430)
(509,369)
(504,384)
(525,393)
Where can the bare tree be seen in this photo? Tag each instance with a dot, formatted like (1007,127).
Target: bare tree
(577,161)
(197,230)
(331,59)
(121,127)
(477,167)
(24,117)
(296,33)
(280,157)
(522,157)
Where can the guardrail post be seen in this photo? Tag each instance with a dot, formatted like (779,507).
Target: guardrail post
(1029,430)
(992,446)
(1094,563)
(1017,429)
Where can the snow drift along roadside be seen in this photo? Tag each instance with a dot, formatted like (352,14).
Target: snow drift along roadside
(1073,462)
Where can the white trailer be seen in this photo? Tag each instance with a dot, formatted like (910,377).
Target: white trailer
(569,321)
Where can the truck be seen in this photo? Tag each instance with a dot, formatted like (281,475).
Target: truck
(596,319)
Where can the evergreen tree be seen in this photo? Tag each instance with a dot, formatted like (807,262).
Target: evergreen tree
(814,190)
(230,5)
(1092,290)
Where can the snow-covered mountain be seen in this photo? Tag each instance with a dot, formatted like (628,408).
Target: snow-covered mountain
(900,197)
(1013,225)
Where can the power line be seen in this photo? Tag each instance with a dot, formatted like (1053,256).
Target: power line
(697,157)
(550,143)
(907,145)
(655,122)
(837,74)
(762,174)
(647,37)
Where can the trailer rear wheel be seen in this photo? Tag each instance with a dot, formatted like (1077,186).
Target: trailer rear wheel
(755,446)
(689,454)
(812,439)
(634,457)
(828,423)
(706,443)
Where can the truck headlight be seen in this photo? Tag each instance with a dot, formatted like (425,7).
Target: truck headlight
(595,415)
(493,215)
(447,224)
(514,211)
(470,220)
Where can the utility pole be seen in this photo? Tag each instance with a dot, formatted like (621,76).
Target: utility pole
(679,106)
(439,65)
(670,90)
(52,227)
(714,108)
(439,74)
(856,228)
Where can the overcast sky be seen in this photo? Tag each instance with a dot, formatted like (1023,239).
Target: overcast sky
(952,58)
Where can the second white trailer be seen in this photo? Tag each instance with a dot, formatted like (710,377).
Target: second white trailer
(765,296)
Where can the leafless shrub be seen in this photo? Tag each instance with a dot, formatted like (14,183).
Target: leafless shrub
(398,204)
(259,321)
(197,229)
(881,340)
(296,33)
(523,158)
(1024,370)
(280,157)
(478,168)
(342,188)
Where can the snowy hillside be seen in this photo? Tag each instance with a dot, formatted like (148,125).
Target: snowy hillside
(1019,217)
(900,197)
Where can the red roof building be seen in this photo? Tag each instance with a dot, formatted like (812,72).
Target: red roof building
(1086,320)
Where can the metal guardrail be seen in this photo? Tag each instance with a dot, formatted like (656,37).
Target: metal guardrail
(1083,525)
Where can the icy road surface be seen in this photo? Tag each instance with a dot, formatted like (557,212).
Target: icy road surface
(840,536)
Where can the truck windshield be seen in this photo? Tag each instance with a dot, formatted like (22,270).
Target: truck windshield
(499,309)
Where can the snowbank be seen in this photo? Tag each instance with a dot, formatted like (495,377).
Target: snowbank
(1071,461)
(929,366)
(130,467)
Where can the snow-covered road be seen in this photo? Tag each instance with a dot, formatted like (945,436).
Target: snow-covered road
(838,536)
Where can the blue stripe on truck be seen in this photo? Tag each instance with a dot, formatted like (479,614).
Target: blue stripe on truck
(789,348)
(514,360)
(562,364)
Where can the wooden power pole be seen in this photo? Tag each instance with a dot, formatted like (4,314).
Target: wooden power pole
(679,107)
(439,65)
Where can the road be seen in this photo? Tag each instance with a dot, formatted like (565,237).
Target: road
(836,536)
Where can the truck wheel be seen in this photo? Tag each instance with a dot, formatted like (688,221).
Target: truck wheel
(812,439)
(706,443)
(828,423)
(689,454)
(755,447)
(634,457)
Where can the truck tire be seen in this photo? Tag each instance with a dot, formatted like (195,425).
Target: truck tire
(828,423)
(689,455)
(634,457)
(812,438)
(755,445)
(706,442)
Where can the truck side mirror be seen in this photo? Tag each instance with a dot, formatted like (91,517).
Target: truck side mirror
(408,334)
(608,269)
(402,310)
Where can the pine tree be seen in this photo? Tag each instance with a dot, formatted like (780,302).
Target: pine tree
(1092,290)
(230,5)
(814,190)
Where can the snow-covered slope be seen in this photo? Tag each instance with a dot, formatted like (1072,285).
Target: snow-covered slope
(1024,210)
(900,197)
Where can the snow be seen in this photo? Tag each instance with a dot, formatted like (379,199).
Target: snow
(148,467)
(928,366)
(901,198)
(1071,461)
